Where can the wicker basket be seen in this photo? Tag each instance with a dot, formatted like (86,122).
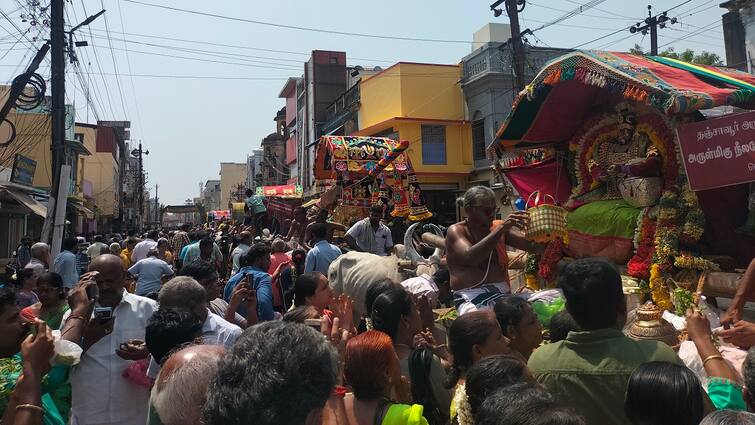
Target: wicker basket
(547,221)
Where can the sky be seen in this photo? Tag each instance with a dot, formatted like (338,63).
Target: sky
(190,124)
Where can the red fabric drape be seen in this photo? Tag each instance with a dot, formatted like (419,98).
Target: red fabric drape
(551,178)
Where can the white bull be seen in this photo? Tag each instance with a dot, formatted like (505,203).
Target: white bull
(355,272)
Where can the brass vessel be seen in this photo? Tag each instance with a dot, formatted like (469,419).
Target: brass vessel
(650,326)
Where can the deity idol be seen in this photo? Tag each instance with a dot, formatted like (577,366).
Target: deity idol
(605,223)
(630,155)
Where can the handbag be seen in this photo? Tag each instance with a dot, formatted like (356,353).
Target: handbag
(547,221)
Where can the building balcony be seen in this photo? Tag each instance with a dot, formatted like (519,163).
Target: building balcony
(496,59)
(342,109)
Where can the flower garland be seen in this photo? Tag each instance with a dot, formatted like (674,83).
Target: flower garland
(601,127)
(531,268)
(463,409)
(553,253)
(658,289)
(680,222)
(644,243)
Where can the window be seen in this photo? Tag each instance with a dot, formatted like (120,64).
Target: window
(434,145)
(478,139)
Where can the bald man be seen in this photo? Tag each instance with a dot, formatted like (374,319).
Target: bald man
(100,393)
(181,388)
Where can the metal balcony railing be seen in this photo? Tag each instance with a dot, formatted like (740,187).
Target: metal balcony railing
(343,103)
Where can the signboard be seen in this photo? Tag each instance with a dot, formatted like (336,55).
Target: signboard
(719,152)
(287,191)
(23,170)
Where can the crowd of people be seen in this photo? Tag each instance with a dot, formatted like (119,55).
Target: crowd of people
(226,324)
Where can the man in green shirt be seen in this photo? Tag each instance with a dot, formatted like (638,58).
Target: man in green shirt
(254,206)
(589,370)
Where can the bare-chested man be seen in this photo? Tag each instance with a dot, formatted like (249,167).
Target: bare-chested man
(477,258)
(295,235)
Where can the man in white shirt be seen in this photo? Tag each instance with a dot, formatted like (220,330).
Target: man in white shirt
(370,235)
(142,248)
(40,258)
(100,393)
(245,242)
(95,249)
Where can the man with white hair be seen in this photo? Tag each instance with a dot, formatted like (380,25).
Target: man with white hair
(477,257)
(40,258)
(181,387)
(185,293)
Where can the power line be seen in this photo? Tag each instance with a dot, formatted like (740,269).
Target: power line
(607,11)
(625,28)
(282,67)
(237,46)
(709,26)
(300,28)
(99,66)
(570,14)
(131,79)
(530,3)
(225,55)
(115,63)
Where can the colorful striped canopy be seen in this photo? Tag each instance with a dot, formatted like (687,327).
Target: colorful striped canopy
(553,105)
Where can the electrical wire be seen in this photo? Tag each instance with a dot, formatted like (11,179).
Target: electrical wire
(530,3)
(709,26)
(607,11)
(115,63)
(133,86)
(625,28)
(570,14)
(300,28)
(224,55)
(237,46)
(99,66)
(286,68)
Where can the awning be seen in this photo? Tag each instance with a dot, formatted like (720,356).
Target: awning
(78,206)
(567,88)
(78,147)
(27,201)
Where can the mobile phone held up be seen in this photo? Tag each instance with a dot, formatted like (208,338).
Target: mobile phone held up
(92,292)
(103,314)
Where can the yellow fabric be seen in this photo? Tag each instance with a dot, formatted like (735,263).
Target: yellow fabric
(403,414)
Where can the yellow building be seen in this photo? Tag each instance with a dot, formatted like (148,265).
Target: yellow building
(424,104)
(100,170)
(232,175)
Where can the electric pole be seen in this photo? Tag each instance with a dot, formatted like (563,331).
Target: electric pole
(53,233)
(651,24)
(138,154)
(157,206)
(56,209)
(513,9)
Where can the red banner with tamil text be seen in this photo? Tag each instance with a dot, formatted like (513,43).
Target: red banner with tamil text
(719,152)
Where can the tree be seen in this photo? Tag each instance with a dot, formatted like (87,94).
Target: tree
(704,58)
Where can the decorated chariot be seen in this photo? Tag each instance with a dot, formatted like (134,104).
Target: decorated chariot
(359,172)
(633,151)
